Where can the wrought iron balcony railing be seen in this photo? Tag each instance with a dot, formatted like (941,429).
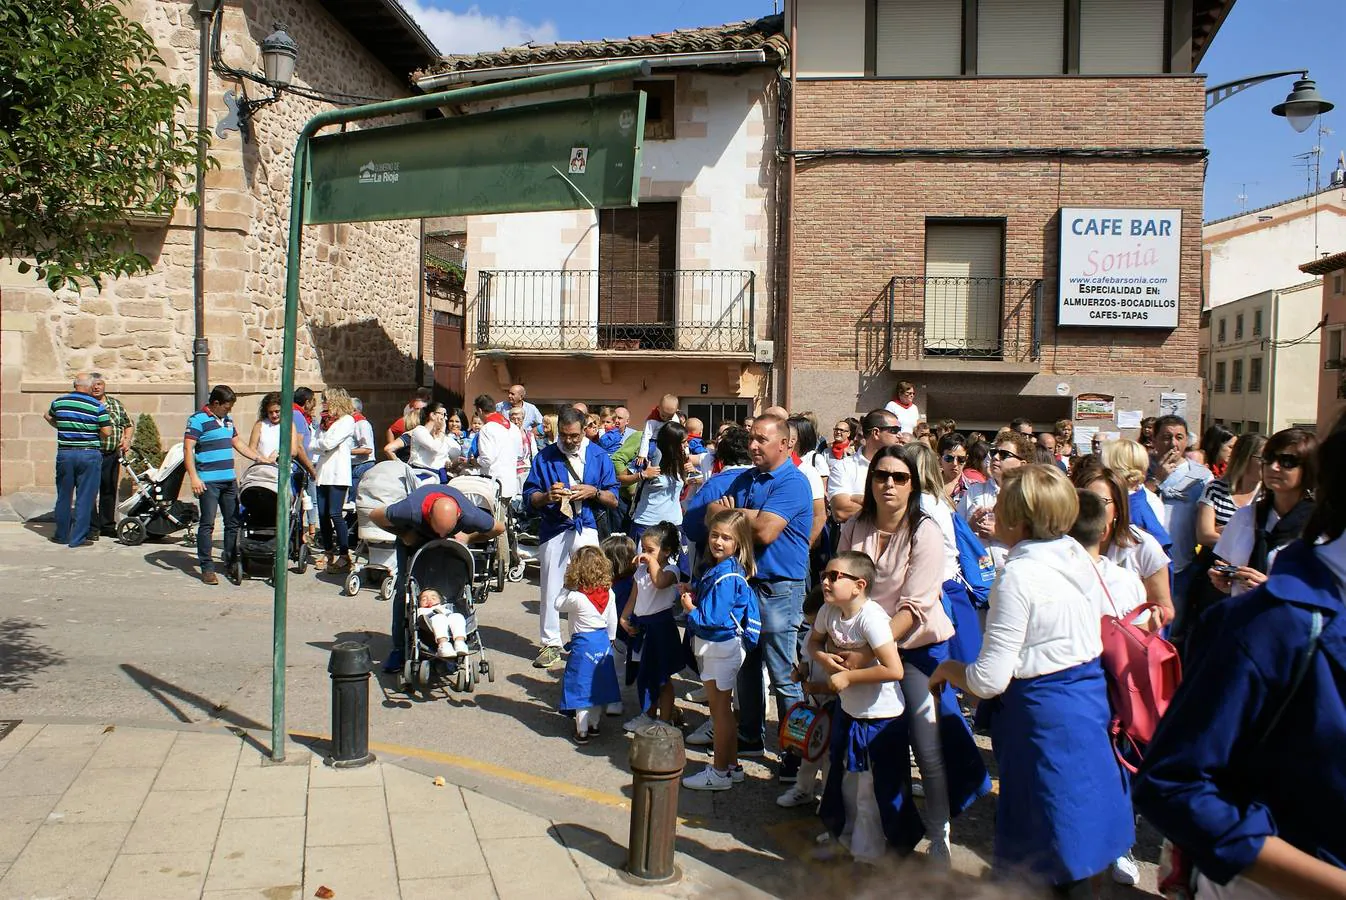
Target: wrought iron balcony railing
(694,311)
(990,319)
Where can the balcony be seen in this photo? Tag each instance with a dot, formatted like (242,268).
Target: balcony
(610,313)
(964,324)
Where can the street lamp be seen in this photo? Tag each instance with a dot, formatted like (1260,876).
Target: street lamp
(279,54)
(1301,106)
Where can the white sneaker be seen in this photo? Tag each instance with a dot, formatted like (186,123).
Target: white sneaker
(737,773)
(709,780)
(614,709)
(697,695)
(796,796)
(445,650)
(460,648)
(639,722)
(1125,871)
(704,736)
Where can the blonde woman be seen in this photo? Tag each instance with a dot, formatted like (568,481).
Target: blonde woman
(1131,462)
(334,446)
(410,420)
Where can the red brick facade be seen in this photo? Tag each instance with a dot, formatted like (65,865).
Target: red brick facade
(861,221)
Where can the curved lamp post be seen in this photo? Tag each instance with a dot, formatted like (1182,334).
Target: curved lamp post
(1301,106)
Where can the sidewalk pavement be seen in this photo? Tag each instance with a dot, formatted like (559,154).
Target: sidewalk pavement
(103,811)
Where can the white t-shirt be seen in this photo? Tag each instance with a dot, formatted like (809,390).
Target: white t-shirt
(1236,542)
(364,439)
(584,616)
(498,450)
(942,513)
(870,627)
(651,599)
(1125,590)
(907,417)
(430,452)
(1144,558)
(818,462)
(847,476)
(815,481)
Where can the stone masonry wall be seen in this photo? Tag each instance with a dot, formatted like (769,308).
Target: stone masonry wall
(360,283)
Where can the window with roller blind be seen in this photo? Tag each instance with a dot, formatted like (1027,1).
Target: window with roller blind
(1021,37)
(637,253)
(918,37)
(963,288)
(1122,38)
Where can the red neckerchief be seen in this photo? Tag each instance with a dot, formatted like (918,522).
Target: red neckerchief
(496,417)
(907,405)
(655,415)
(794,458)
(299,411)
(839,449)
(1218,469)
(599,597)
(359,417)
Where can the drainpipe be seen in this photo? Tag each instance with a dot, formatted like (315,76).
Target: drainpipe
(200,346)
(420,312)
(785,379)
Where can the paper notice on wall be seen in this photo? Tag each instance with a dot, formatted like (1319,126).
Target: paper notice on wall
(1129,418)
(1173,405)
(1084,438)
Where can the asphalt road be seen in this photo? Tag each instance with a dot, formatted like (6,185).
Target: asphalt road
(126,634)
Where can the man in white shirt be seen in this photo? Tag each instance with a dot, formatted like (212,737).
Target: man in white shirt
(846,476)
(1179,483)
(499,446)
(532,416)
(903,406)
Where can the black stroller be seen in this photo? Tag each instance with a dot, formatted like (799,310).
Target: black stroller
(154,510)
(257,543)
(448,567)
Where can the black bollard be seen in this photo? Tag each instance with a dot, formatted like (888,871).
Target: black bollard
(349,667)
(657,760)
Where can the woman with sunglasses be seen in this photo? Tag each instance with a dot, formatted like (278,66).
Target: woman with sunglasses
(977,506)
(910,564)
(843,437)
(952,450)
(433,447)
(1256,533)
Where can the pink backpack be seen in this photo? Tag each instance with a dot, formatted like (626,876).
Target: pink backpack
(1143,673)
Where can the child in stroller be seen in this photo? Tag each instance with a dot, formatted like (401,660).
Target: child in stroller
(446,627)
(441,578)
(257,540)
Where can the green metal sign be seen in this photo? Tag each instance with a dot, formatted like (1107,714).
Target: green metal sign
(572,154)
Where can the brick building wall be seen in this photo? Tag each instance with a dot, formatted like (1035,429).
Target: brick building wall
(861,221)
(360,284)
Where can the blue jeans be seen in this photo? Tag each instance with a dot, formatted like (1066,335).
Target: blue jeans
(782,606)
(78,473)
(332,518)
(222,497)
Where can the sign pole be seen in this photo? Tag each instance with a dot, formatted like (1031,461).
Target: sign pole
(299,184)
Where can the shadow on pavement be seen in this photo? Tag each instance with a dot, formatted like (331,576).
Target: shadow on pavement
(22,656)
(186,701)
(498,640)
(166,559)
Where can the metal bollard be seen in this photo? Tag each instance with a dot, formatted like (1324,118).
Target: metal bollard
(657,760)
(349,667)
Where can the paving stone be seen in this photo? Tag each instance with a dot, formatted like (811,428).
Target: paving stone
(413,792)
(268,792)
(549,870)
(257,853)
(199,762)
(355,815)
(16,740)
(364,870)
(321,775)
(476,887)
(130,748)
(163,876)
(66,736)
(177,820)
(275,892)
(43,770)
(64,860)
(21,818)
(493,819)
(421,855)
(105,795)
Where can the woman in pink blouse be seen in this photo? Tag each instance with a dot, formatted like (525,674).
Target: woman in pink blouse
(908,552)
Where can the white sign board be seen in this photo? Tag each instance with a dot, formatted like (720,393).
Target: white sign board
(1119,267)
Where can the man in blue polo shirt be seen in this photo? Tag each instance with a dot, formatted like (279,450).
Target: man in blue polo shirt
(208,451)
(779,503)
(80,420)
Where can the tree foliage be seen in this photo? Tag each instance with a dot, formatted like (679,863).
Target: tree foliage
(146,441)
(88,135)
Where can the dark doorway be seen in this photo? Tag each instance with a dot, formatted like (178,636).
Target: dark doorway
(637,292)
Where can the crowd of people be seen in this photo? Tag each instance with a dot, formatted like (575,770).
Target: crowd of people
(909,581)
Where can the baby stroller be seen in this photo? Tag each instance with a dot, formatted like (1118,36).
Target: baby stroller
(492,560)
(257,544)
(448,567)
(375,549)
(153,509)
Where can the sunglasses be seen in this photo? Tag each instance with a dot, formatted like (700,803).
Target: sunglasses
(951,458)
(889,429)
(1004,454)
(831,576)
(898,478)
(1287,461)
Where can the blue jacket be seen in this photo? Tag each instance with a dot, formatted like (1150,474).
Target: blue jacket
(720,608)
(1143,517)
(1215,781)
(548,468)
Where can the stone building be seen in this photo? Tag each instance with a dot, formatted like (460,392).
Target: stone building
(362,311)
(618,306)
(941,153)
(1332,348)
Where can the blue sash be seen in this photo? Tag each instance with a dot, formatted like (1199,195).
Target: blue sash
(965,645)
(590,677)
(963,764)
(1065,809)
(661,655)
(880,746)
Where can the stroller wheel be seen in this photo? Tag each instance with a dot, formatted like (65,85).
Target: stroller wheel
(405,675)
(517,571)
(352,584)
(131,532)
(423,674)
(302,559)
(488,668)
(239,569)
(386,589)
(469,677)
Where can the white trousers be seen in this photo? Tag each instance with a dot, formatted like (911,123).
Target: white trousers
(863,832)
(444,625)
(923,728)
(555,556)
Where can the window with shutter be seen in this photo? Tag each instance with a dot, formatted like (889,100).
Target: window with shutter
(1255,375)
(963,289)
(1122,38)
(1020,37)
(1236,377)
(637,253)
(1219,377)
(918,37)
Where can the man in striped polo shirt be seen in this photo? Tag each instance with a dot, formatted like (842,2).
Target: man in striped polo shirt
(112,447)
(80,421)
(208,450)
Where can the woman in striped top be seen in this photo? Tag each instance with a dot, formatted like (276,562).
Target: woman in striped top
(1225,496)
